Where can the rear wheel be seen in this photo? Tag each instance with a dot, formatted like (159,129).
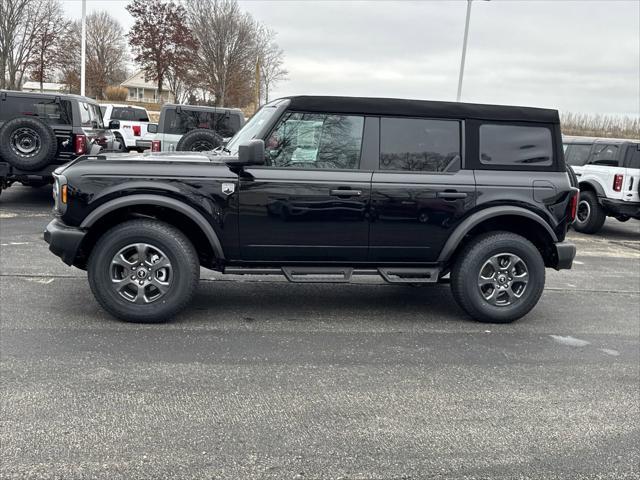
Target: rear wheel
(143,271)
(498,277)
(590,215)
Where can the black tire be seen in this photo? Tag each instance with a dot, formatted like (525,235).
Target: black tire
(165,239)
(120,140)
(476,255)
(199,140)
(590,216)
(36,183)
(27,143)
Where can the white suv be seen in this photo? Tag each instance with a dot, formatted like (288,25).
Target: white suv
(127,122)
(608,172)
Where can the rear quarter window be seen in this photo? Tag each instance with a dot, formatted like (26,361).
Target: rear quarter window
(49,110)
(577,154)
(129,114)
(520,146)
(632,159)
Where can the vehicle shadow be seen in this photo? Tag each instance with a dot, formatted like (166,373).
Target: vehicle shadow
(613,230)
(316,303)
(19,195)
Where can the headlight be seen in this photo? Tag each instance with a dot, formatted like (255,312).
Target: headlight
(59,193)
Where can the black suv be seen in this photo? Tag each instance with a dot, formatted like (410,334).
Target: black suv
(39,132)
(326,189)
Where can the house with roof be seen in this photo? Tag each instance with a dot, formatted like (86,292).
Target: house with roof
(47,87)
(142,90)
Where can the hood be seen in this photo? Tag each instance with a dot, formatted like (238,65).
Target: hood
(149,157)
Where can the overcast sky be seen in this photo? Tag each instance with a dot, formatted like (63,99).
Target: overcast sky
(580,56)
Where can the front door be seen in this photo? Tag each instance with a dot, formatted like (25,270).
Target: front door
(310,201)
(420,192)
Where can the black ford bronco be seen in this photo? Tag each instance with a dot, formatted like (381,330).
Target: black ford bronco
(327,189)
(41,131)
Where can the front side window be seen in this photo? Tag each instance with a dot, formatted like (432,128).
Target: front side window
(604,154)
(515,145)
(577,155)
(316,140)
(413,144)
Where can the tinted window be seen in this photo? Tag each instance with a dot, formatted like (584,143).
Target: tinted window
(515,145)
(633,157)
(225,123)
(577,155)
(312,140)
(46,109)
(129,114)
(604,154)
(419,145)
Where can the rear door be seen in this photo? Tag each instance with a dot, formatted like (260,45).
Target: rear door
(419,191)
(310,202)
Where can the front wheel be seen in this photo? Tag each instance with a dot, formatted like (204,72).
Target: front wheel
(498,277)
(143,271)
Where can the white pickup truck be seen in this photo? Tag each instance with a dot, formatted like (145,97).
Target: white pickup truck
(128,123)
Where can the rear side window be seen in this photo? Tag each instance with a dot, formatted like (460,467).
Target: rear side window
(46,109)
(129,114)
(515,145)
(412,144)
(90,115)
(604,154)
(225,123)
(577,154)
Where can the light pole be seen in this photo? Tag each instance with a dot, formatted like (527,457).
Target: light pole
(83,48)
(464,49)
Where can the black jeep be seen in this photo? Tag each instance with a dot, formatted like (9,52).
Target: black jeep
(39,132)
(326,189)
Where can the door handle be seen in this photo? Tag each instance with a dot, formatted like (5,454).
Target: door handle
(451,195)
(345,193)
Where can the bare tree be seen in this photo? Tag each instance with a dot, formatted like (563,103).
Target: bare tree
(106,55)
(227,46)
(600,125)
(271,58)
(161,41)
(49,42)
(21,22)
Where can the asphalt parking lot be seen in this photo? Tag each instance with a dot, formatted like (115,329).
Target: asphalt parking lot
(265,379)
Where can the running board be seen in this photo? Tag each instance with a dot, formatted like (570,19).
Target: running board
(318,274)
(410,275)
(396,275)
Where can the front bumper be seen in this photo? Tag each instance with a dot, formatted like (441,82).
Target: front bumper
(565,253)
(64,241)
(618,208)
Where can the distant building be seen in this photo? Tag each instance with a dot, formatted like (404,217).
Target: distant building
(46,87)
(141,90)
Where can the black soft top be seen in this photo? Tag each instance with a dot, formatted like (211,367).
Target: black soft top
(422,108)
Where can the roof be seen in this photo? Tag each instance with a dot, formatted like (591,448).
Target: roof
(205,108)
(579,139)
(45,86)
(121,105)
(422,108)
(138,80)
(68,96)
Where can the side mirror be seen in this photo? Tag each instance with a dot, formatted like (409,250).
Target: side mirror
(251,153)
(152,128)
(114,125)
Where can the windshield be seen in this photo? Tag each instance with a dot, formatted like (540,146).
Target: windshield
(251,128)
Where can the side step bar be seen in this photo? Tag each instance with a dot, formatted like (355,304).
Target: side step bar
(396,275)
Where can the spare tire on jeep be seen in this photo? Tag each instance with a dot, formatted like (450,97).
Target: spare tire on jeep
(199,140)
(27,143)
